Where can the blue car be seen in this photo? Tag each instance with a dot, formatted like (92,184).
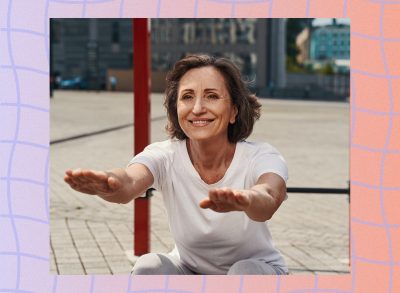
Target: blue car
(73,83)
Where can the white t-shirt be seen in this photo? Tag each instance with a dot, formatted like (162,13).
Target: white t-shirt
(208,242)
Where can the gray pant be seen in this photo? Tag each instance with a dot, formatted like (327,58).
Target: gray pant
(164,264)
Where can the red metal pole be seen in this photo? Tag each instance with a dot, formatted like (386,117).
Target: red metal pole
(141,82)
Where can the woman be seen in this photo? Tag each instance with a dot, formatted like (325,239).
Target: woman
(219,190)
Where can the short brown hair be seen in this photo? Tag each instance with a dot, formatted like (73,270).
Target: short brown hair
(246,102)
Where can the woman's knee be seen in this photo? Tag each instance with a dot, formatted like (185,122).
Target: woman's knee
(148,264)
(251,267)
(244,267)
(155,264)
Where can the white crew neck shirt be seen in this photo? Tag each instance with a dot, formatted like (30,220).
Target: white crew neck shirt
(208,242)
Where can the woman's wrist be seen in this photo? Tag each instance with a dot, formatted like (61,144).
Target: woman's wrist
(259,205)
(251,196)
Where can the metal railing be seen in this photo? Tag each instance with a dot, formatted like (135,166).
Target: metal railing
(321,190)
(318,190)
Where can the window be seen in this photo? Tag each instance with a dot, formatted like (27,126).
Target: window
(55,31)
(115,32)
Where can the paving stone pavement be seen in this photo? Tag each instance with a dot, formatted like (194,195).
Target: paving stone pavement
(91,236)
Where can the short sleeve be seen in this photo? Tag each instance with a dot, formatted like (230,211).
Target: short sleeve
(154,157)
(268,159)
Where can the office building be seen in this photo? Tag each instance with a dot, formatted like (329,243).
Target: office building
(92,48)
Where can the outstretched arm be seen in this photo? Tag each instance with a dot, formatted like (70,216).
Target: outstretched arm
(116,185)
(259,202)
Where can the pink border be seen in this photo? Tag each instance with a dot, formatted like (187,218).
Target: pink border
(375,147)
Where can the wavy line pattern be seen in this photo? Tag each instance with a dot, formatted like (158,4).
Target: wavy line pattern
(12,153)
(363,266)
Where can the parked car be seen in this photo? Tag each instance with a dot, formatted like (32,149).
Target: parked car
(73,83)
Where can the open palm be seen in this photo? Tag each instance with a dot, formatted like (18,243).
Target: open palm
(224,200)
(94,182)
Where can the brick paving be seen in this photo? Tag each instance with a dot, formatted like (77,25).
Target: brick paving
(91,236)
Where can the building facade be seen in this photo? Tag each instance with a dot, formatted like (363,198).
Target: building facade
(90,48)
(87,48)
(330,43)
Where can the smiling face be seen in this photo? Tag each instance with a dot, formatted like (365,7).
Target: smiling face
(204,105)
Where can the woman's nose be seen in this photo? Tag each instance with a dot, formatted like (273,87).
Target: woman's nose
(198,106)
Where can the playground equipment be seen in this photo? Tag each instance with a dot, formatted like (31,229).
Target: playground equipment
(141,69)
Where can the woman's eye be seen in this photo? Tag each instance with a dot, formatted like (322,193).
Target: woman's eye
(186,97)
(212,97)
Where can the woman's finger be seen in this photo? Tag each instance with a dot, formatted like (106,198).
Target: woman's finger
(67,178)
(205,203)
(230,197)
(227,198)
(74,180)
(84,189)
(77,176)
(222,197)
(96,175)
(77,172)
(213,195)
(213,207)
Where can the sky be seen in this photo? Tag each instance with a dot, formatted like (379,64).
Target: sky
(327,21)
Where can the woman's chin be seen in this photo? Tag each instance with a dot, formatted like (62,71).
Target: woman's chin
(204,137)
(198,137)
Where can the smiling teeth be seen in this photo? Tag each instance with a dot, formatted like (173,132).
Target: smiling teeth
(200,122)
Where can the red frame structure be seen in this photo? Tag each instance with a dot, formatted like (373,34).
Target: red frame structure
(141,82)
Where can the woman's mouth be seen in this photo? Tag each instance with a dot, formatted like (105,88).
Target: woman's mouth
(202,122)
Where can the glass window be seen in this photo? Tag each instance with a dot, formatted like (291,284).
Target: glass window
(160,61)
(188,32)
(160,31)
(55,30)
(246,62)
(245,31)
(115,32)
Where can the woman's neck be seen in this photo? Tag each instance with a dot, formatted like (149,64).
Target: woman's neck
(210,156)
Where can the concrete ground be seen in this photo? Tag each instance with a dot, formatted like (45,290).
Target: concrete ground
(91,236)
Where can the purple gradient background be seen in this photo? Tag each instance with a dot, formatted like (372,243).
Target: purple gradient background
(24,149)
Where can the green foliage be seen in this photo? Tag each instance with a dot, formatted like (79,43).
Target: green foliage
(293,66)
(327,69)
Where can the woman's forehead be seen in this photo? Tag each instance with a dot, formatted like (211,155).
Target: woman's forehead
(202,78)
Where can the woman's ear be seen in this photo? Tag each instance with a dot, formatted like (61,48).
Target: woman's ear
(234,113)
